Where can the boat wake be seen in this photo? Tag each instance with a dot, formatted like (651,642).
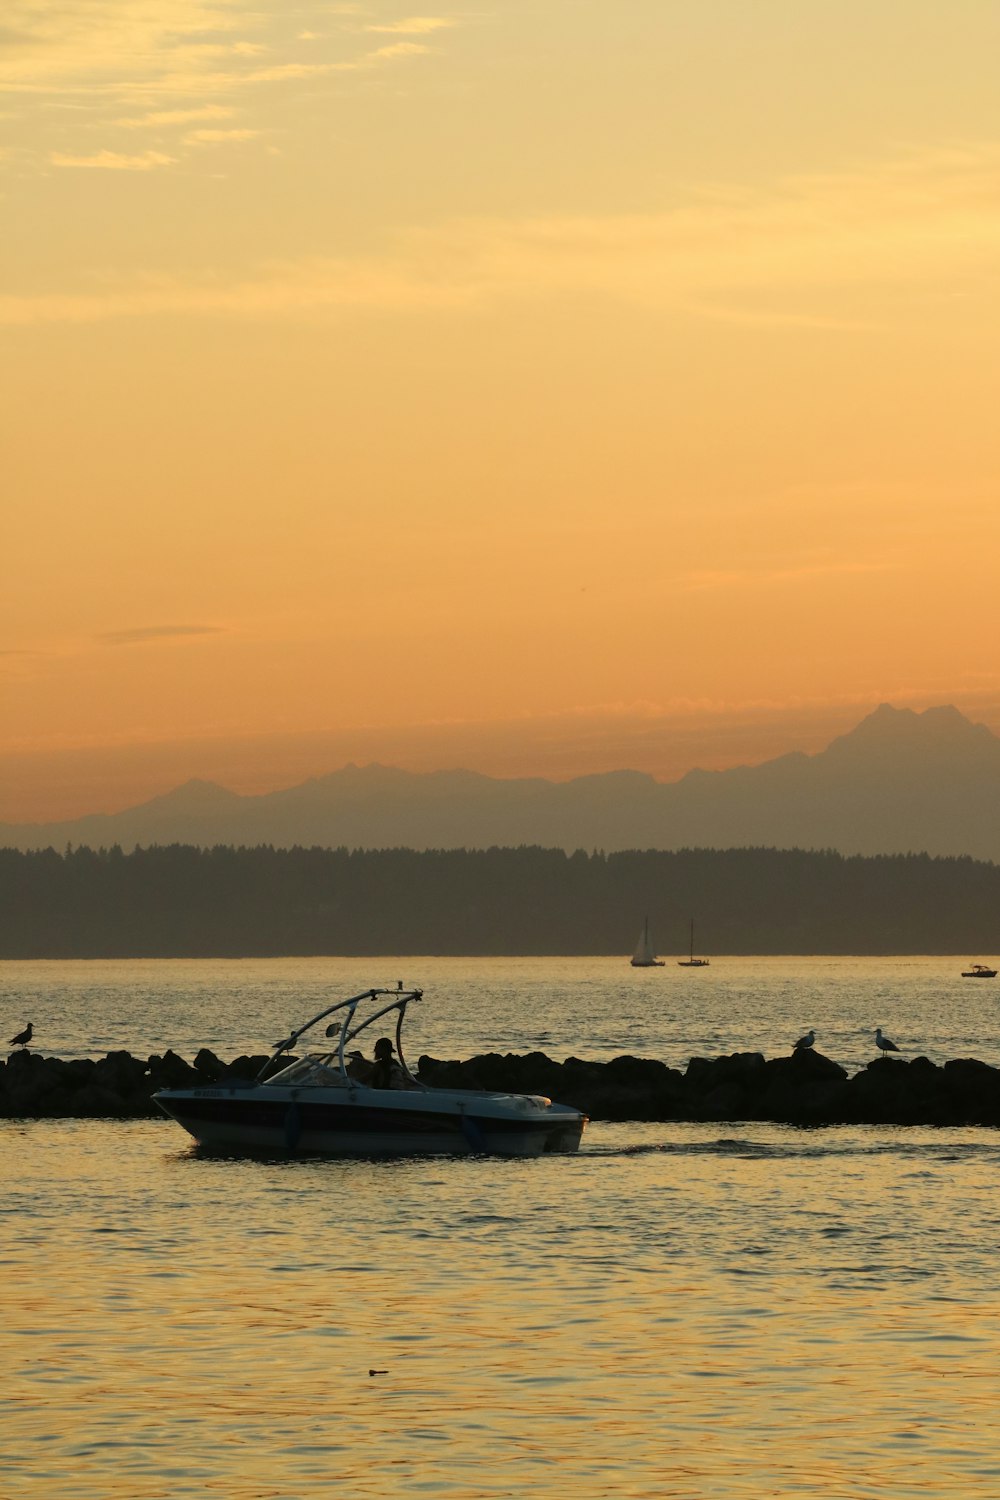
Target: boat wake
(736,1147)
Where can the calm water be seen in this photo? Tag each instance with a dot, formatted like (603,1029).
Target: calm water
(679,1311)
(587,1007)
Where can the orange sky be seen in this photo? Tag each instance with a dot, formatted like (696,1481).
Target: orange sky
(543,388)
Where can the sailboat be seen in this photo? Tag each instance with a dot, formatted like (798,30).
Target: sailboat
(644,956)
(691,962)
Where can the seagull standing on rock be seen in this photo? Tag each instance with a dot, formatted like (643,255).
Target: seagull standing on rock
(883,1043)
(23,1037)
(804,1042)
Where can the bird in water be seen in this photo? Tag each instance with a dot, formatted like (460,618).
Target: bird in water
(883,1043)
(23,1037)
(804,1042)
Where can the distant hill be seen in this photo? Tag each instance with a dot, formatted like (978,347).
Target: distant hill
(899,782)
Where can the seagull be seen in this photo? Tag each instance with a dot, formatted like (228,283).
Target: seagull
(23,1037)
(804,1042)
(883,1043)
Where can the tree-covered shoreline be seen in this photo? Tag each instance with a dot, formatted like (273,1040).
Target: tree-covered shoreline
(179,901)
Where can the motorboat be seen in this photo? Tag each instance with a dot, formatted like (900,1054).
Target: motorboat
(979,971)
(328,1102)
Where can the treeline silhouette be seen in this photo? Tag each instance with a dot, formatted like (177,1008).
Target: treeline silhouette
(181,901)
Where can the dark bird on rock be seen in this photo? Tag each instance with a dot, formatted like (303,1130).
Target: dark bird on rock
(883,1043)
(804,1042)
(23,1037)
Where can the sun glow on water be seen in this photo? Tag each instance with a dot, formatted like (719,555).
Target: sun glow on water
(678,1310)
(671,1312)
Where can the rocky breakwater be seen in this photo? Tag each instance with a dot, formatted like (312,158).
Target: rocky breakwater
(118,1086)
(803,1089)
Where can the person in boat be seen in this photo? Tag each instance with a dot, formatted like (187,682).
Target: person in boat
(386,1072)
(359,1068)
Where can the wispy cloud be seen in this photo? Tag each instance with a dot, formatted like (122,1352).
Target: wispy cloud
(414,25)
(284,72)
(307,287)
(840,252)
(89,51)
(78,47)
(157,118)
(396,49)
(214,137)
(174,69)
(114,161)
(146,633)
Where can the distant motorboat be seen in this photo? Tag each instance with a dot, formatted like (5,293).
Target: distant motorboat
(644,956)
(691,962)
(979,971)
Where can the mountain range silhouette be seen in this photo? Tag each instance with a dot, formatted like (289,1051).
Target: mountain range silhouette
(900,782)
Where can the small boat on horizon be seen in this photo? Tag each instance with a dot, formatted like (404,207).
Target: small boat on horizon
(644,956)
(324,1104)
(979,971)
(691,962)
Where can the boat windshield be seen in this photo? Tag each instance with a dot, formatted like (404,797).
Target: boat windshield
(318,1072)
(353,1016)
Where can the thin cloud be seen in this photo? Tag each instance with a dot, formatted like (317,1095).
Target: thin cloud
(85,48)
(281,72)
(115,161)
(835,253)
(159,117)
(213,137)
(100,51)
(11,36)
(396,49)
(414,25)
(146,633)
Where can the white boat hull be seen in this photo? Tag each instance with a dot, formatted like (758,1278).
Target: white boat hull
(360,1121)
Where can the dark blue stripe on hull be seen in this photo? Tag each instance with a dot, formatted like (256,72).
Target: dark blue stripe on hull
(327,1118)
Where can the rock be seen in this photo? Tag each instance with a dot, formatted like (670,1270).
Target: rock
(27,1081)
(637,1072)
(171,1072)
(80,1070)
(727,1101)
(245,1069)
(974,1088)
(94,1101)
(120,1072)
(209,1065)
(806,1065)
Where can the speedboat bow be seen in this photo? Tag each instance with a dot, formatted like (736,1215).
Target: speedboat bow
(334,1103)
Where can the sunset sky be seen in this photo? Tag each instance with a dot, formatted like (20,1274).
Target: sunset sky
(541,386)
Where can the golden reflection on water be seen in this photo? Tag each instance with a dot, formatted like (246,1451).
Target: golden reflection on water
(782,1314)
